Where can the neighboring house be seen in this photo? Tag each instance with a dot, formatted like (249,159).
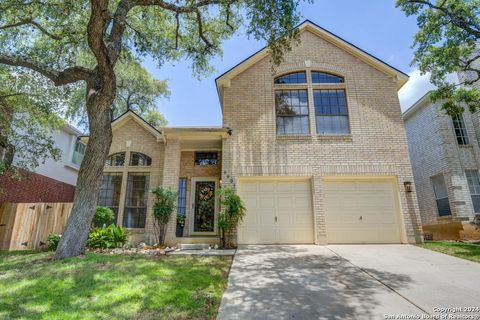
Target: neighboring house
(317,150)
(53,181)
(445,157)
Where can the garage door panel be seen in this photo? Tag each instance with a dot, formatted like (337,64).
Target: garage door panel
(361,212)
(287,201)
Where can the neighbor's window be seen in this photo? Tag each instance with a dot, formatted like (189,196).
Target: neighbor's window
(136,199)
(441,196)
(206,158)
(109,195)
(182,196)
(292,112)
(78,152)
(140,159)
(292,78)
(331,111)
(116,159)
(474,186)
(460,129)
(322,77)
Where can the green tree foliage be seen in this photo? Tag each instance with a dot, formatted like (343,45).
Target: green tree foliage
(447,42)
(81,42)
(232,213)
(137,90)
(27,120)
(165,202)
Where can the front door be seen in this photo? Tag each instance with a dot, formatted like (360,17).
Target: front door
(204,206)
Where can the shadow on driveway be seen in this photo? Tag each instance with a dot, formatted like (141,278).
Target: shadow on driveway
(308,282)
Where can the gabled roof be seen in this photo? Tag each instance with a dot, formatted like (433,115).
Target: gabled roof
(132,115)
(423,101)
(401,77)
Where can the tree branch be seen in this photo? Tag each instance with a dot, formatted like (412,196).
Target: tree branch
(32,22)
(455,19)
(201,32)
(69,75)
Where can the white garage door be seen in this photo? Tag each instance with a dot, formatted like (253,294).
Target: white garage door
(277,212)
(361,212)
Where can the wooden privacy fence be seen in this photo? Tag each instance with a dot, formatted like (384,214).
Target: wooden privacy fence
(27,225)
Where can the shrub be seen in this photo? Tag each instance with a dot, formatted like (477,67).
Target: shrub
(103,217)
(163,209)
(181,220)
(107,238)
(52,241)
(232,213)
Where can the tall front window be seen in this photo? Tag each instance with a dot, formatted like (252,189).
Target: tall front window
(474,187)
(182,196)
(460,130)
(292,93)
(78,152)
(136,198)
(441,196)
(331,111)
(292,111)
(109,195)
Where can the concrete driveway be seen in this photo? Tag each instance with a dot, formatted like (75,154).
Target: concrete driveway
(347,282)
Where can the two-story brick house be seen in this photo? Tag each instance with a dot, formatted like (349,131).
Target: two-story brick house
(315,148)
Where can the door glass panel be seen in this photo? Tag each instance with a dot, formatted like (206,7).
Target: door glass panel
(204,215)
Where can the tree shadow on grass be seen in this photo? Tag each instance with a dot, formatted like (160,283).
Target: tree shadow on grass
(111,287)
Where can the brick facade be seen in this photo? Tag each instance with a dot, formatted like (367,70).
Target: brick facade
(434,150)
(376,146)
(34,187)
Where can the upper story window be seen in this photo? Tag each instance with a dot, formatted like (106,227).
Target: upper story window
(460,130)
(116,159)
(329,102)
(292,78)
(140,159)
(206,158)
(322,77)
(292,111)
(78,152)
(331,111)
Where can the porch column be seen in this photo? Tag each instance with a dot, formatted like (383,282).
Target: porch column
(171,172)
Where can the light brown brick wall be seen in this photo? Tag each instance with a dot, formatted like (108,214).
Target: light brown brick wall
(376,146)
(144,142)
(189,170)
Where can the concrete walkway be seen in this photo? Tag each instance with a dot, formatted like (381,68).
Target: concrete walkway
(346,282)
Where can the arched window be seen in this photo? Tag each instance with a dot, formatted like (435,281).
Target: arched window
(116,159)
(140,159)
(292,78)
(323,77)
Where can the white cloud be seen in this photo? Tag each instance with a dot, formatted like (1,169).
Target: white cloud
(416,87)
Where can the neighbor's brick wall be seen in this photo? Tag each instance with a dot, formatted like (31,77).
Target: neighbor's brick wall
(376,146)
(189,170)
(34,187)
(434,150)
(140,141)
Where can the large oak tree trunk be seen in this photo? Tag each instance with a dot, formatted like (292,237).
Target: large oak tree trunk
(75,235)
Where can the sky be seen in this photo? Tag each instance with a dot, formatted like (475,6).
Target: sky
(375,26)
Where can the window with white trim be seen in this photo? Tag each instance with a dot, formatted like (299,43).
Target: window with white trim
(441,196)
(460,129)
(474,187)
(78,152)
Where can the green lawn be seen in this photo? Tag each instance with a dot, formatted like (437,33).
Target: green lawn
(458,249)
(101,286)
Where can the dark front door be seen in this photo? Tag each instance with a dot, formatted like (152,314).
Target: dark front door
(204,214)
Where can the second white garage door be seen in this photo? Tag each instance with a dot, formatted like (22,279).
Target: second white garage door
(278,211)
(361,212)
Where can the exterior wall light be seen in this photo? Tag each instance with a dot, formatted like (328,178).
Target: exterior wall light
(408,186)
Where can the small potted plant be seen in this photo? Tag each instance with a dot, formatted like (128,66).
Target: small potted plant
(180,224)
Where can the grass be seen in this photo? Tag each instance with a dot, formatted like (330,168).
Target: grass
(101,286)
(457,249)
